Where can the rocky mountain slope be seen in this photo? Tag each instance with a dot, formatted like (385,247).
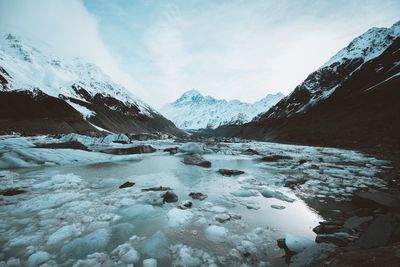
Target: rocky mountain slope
(351,101)
(41,93)
(195,111)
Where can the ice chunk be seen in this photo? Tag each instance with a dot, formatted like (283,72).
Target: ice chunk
(192,148)
(64,233)
(297,243)
(95,259)
(178,217)
(46,201)
(126,254)
(150,263)
(140,211)
(157,246)
(245,193)
(216,233)
(94,242)
(38,258)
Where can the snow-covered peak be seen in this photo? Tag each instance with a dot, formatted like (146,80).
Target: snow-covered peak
(30,65)
(368,45)
(195,111)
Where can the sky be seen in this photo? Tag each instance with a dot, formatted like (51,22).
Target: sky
(236,49)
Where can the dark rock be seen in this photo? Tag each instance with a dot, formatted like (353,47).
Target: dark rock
(339,239)
(302,161)
(227,172)
(11,192)
(197,195)
(171,150)
(273,158)
(327,229)
(378,232)
(250,152)
(130,150)
(121,142)
(197,160)
(169,197)
(160,188)
(362,212)
(314,167)
(185,205)
(384,200)
(355,222)
(292,182)
(127,184)
(71,145)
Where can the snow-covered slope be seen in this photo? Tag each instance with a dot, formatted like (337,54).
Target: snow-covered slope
(28,69)
(195,111)
(323,82)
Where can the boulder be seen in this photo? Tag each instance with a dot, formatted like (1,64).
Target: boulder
(127,184)
(228,172)
(169,197)
(250,152)
(160,188)
(381,199)
(197,195)
(130,150)
(70,144)
(378,233)
(273,158)
(197,160)
(11,192)
(171,150)
(340,239)
(185,205)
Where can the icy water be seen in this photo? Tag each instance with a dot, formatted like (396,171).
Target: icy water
(77,211)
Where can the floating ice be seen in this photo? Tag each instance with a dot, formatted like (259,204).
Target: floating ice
(179,217)
(62,234)
(156,246)
(38,258)
(192,148)
(297,243)
(216,233)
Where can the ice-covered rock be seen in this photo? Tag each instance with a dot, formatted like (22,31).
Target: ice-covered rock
(178,217)
(216,233)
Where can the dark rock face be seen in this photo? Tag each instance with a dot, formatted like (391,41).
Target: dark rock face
(35,112)
(197,160)
(127,184)
(11,192)
(169,197)
(228,172)
(364,106)
(273,158)
(337,238)
(292,182)
(378,199)
(378,233)
(197,195)
(71,145)
(130,150)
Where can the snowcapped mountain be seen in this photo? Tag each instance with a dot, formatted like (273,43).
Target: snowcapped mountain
(195,111)
(352,101)
(324,81)
(29,72)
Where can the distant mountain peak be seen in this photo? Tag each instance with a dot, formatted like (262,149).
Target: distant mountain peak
(196,111)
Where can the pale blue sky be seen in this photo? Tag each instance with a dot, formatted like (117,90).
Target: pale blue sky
(227,49)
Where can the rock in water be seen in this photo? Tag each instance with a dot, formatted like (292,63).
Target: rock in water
(227,172)
(169,197)
(185,205)
(130,150)
(378,233)
(197,195)
(381,199)
(127,184)
(273,158)
(171,150)
(197,160)
(250,152)
(11,192)
(70,144)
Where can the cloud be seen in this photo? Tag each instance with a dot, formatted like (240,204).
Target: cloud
(68,28)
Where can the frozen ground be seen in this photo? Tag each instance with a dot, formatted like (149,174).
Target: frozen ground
(74,213)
